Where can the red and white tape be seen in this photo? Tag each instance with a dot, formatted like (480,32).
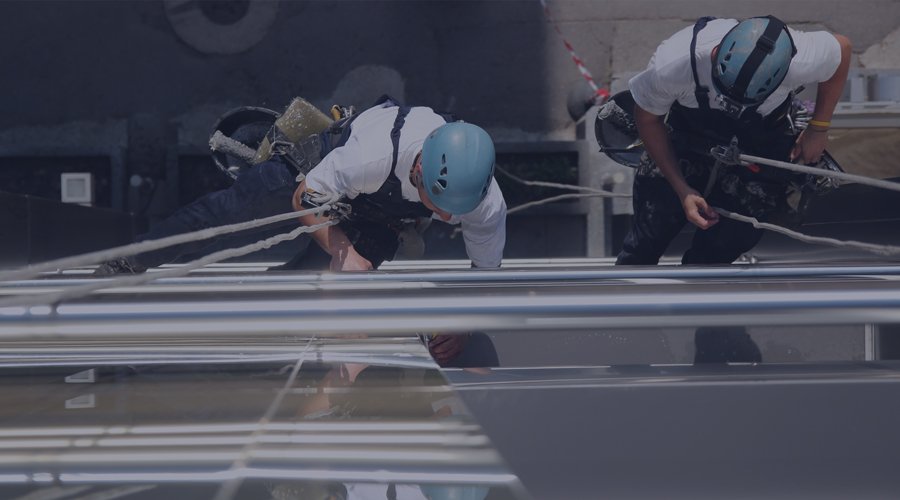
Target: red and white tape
(600,94)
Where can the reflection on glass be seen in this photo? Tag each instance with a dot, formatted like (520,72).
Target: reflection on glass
(725,344)
(328,425)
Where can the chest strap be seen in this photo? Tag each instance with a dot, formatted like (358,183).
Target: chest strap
(700,92)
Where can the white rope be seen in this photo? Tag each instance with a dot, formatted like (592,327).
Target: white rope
(887,250)
(146,246)
(571,187)
(130,280)
(592,192)
(859,179)
(551,199)
(228,489)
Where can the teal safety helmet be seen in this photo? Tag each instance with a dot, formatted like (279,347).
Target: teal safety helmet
(457,166)
(752,61)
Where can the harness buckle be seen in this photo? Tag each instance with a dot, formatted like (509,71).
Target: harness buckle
(727,155)
(338,210)
(731,107)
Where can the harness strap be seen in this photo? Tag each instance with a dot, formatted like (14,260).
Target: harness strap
(700,92)
(341,128)
(395,135)
(387,205)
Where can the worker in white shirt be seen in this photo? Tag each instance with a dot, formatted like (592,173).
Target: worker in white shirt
(705,85)
(398,167)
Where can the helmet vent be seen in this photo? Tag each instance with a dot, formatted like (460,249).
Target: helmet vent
(443,171)
(439,186)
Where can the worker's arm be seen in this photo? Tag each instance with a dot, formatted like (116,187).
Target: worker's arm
(812,141)
(655,137)
(332,239)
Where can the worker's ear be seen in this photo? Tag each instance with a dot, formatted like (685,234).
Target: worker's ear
(416,174)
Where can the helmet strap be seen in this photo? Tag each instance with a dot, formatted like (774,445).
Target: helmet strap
(764,46)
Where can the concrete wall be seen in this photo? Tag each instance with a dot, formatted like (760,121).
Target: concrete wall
(497,63)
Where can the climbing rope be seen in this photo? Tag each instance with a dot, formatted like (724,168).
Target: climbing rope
(524,206)
(741,159)
(601,192)
(859,179)
(146,246)
(888,250)
(138,279)
(589,192)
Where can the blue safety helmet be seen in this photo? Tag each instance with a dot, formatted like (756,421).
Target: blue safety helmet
(753,60)
(457,166)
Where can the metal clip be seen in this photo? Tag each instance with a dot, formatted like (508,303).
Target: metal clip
(339,210)
(336,209)
(727,155)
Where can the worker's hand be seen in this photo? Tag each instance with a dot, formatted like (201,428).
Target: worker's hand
(349,260)
(444,348)
(698,211)
(809,147)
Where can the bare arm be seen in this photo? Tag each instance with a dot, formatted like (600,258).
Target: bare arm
(812,141)
(332,239)
(656,140)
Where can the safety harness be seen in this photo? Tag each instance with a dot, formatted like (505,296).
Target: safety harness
(376,219)
(386,206)
(696,130)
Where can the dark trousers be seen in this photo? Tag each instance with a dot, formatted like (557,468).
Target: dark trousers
(659,217)
(262,191)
